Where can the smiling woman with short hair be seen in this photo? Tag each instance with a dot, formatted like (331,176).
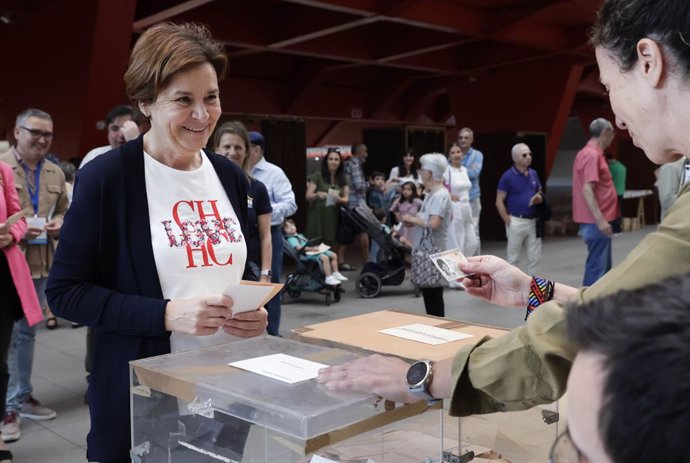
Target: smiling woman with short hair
(156,231)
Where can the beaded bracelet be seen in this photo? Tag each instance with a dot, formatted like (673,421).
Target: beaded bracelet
(540,291)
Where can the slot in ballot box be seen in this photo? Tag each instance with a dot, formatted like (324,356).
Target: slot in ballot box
(519,437)
(194,407)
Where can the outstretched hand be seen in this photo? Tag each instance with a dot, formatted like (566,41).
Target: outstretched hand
(496,281)
(379,374)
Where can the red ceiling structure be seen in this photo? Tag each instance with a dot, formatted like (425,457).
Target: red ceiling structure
(340,65)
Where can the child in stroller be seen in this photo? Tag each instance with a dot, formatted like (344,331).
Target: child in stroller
(390,264)
(320,253)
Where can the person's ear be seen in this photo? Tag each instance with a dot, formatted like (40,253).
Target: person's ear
(144,108)
(651,61)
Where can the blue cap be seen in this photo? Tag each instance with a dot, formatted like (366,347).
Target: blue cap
(255,138)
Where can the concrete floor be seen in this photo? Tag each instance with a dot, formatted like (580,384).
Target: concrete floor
(58,376)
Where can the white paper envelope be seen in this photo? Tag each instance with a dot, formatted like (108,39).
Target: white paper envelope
(38,222)
(285,368)
(250,295)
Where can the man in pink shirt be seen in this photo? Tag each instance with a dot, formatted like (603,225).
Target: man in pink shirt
(594,200)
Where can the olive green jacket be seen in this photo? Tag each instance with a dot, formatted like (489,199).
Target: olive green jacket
(530,365)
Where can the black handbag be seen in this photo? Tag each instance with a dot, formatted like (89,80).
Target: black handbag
(543,214)
(424,272)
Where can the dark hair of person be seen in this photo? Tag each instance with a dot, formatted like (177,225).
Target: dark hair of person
(379,213)
(620,24)
(355,148)
(166,49)
(413,196)
(69,170)
(340,179)
(450,146)
(119,111)
(377,173)
(285,224)
(403,171)
(644,338)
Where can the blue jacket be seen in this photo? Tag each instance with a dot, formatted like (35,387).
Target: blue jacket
(104,275)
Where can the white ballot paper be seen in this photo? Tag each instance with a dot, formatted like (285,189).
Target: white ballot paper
(426,334)
(320,459)
(332,195)
(282,367)
(249,295)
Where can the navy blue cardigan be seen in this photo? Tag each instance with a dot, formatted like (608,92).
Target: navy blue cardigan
(104,275)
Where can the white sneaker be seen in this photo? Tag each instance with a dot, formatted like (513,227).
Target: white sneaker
(340,276)
(331,280)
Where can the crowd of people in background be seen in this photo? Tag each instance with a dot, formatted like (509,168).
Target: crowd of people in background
(139,186)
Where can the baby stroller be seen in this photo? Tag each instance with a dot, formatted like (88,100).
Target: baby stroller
(308,276)
(389,270)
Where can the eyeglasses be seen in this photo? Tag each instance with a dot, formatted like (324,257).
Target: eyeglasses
(332,150)
(564,450)
(524,155)
(37,134)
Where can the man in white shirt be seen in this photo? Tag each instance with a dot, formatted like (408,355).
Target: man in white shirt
(284,205)
(121,129)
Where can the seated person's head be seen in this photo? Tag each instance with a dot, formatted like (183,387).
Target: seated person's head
(378,180)
(380,214)
(289,227)
(629,386)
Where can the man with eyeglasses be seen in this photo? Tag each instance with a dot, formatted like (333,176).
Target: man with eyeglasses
(473,160)
(595,203)
(41,187)
(629,384)
(519,191)
(121,128)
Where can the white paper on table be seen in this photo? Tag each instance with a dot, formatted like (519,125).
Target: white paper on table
(426,333)
(38,222)
(285,368)
(247,297)
(320,459)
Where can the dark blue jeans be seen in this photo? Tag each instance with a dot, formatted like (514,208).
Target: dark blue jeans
(273,306)
(598,253)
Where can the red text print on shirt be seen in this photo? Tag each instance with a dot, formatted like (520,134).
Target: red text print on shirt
(200,235)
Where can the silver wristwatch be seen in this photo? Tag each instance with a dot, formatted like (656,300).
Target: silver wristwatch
(419,377)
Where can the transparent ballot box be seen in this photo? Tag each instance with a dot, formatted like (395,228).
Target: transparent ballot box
(194,407)
(517,436)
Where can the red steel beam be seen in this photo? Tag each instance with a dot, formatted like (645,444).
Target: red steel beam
(168,13)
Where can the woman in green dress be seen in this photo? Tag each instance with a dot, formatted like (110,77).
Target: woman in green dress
(322,217)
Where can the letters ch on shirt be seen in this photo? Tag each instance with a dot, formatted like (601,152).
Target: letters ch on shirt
(201,235)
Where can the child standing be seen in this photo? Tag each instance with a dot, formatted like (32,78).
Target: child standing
(407,204)
(320,253)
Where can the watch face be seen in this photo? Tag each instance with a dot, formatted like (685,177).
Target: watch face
(416,373)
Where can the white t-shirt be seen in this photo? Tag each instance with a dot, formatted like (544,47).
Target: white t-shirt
(395,173)
(93,154)
(197,241)
(460,183)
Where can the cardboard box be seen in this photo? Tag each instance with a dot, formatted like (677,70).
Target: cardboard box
(519,437)
(361,334)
